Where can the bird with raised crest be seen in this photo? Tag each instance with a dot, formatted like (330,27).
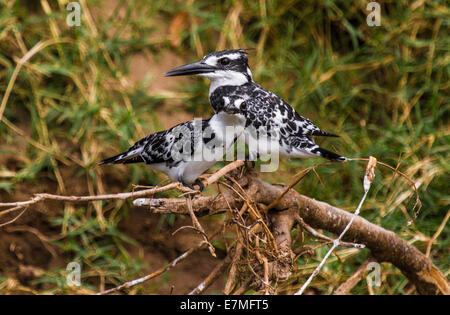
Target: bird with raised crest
(270,122)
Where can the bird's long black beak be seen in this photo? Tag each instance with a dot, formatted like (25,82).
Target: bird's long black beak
(190,69)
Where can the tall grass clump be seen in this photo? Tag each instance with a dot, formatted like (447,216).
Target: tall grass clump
(384,90)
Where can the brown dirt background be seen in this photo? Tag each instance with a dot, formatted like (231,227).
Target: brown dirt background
(24,254)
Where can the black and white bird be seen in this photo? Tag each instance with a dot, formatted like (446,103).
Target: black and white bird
(187,150)
(270,122)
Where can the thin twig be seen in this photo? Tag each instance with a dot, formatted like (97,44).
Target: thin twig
(345,287)
(209,181)
(234,265)
(161,270)
(217,271)
(438,232)
(265,264)
(297,178)
(321,236)
(13,220)
(368,179)
(418,203)
(198,226)
(120,196)
(224,170)
(256,214)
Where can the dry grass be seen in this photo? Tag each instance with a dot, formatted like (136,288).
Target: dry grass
(68,100)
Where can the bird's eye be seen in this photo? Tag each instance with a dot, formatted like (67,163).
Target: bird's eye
(224,61)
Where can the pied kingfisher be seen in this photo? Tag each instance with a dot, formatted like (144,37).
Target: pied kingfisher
(186,150)
(233,90)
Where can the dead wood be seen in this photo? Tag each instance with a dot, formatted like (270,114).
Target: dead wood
(385,246)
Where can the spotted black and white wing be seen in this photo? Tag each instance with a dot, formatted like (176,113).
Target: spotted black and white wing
(161,146)
(267,109)
(268,115)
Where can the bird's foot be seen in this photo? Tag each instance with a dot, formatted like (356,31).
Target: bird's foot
(200,184)
(185,184)
(197,182)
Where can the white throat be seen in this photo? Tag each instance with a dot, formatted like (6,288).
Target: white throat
(222,120)
(223,78)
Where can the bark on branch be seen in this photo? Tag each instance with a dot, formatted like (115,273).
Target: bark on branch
(385,245)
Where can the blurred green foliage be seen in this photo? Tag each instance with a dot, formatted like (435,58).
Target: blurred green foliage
(384,90)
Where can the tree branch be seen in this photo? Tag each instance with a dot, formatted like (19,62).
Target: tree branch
(385,245)
(276,209)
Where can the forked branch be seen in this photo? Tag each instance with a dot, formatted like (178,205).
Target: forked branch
(385,246)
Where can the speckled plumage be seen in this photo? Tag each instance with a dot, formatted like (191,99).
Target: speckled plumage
(180,151)
(233,91)
(268,115)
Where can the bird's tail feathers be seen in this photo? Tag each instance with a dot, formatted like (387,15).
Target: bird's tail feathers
(124,158)
(321,133)
(330,155)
